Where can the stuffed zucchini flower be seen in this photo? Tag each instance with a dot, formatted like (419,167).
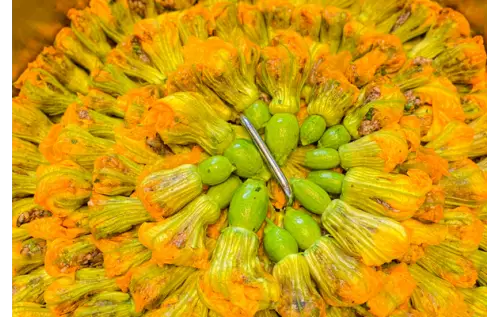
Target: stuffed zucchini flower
(186,118)
(415,19)
(375,240)
(332,26)
(375,12)
(63,69)
(454,142)
(235,283)
(133,60)
(159,39)
(436,104)
(253,24)
(397,196)
(375,54)
(307,20)
(64,256)
(165,192)
(474,103)
(184,301)
(151,284)
(378,105)
(40,223)
(465,185)
(465,230)
(107,304)
(115,174)
(27,256)
(30,287)
(196,21)
(29,309)
(342,280)
(396,291)
(332,95)
(103,103)
(425,234)
(427,160)
(45,91)
(23,183)
(110,79)
(180,239)
(382,150)
(116,214)
(225,14)
(73,143)
(479,142)
(139,145)
(434,296)
(28,123)
(451,267)
(122,253)
(299,296)
(97,124)
(67,42)
(277,14)
(415,72)
(136,103)
(87,29)
(280,75)
(217,64)
(26,156)
(62,187)
(479,259)
(462,61)
(450,25)
(26,210)
(476,299)
(66,294)
(184,79)
(115,18)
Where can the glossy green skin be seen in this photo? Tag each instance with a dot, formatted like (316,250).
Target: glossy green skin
(282,136)
(312,129)
(243,154)
(324,158)
(223,192)
(258,114)
(214,170)
(330,181)
(248,207)
(311,196)
(334,137)
(278,242)
(302,227)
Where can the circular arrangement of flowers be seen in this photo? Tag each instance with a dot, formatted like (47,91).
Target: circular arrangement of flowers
(137,191)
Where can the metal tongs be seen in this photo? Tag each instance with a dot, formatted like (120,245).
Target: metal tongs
(269,159)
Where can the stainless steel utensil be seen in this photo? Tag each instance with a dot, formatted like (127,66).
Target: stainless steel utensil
(269,159)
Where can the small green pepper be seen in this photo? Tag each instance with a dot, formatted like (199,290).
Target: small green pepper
(223,192)
(334,137)
(248,207)
(244,155)
(302,227)
(282,136)
(311,196)
(312,129)
(258,114)
(278,242)
(330,181)
(324,158)
(214,170)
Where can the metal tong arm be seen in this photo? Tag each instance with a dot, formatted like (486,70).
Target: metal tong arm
(269,159)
